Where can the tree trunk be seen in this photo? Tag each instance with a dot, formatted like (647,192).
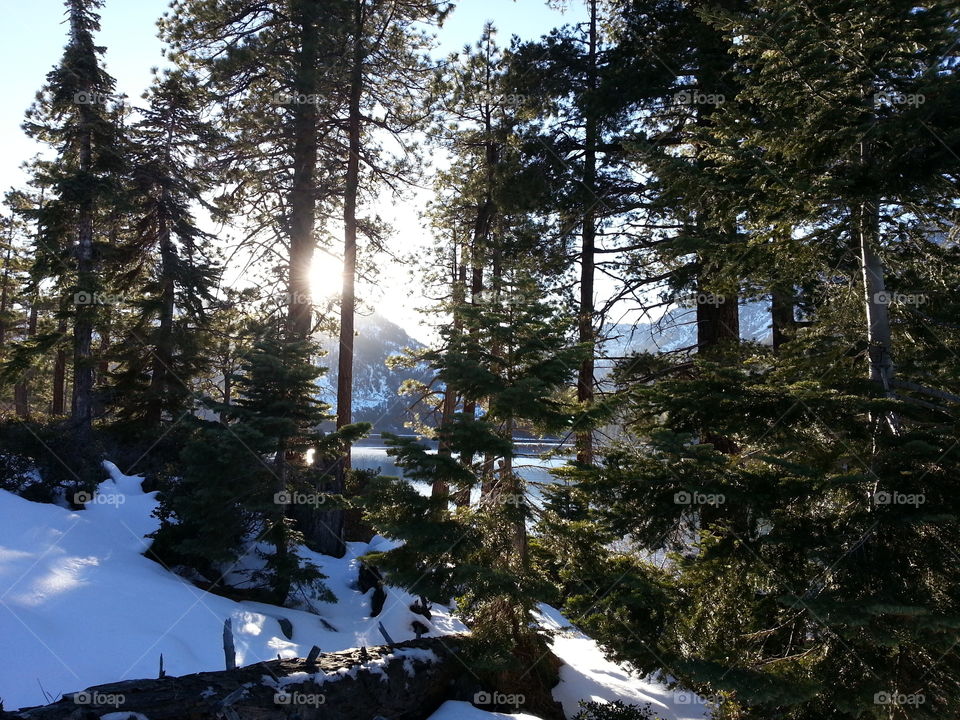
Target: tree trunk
(718,319)
(163,346)
(303,196)
(875,300)
(281,580)
(4,290)
(441,488)
(58,406)
(21,391)
(85,301)
(462,497)
(347,299)
(782,317)
(585,330)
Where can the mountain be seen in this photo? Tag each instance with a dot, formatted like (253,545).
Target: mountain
(376,386)
(677,329)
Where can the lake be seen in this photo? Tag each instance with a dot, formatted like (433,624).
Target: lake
(371,454)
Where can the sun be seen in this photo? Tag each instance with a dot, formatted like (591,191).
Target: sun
(326,275)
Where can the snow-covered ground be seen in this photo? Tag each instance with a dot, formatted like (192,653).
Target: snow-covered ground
(80,605)
(588,675)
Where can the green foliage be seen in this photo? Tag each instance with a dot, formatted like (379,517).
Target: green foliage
(805,548)
(616,710)
(239,474)
(42,462)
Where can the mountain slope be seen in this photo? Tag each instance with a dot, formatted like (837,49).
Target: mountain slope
(376,386)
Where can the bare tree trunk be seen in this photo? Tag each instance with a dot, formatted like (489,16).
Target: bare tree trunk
(352,186)
(585,330)
(21,391)
(303,196)
(58,406)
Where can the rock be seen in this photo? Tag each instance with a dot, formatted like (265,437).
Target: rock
(369,577)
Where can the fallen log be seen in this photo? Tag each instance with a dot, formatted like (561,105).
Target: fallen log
(406,681)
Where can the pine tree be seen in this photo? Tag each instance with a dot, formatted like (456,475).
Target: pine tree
(72,115)
(244,493)
(511,360)
(805,507)
(162,353)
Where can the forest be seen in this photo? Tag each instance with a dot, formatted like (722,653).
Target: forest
(703,253)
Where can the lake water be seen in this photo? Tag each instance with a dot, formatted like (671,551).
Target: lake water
(371,454)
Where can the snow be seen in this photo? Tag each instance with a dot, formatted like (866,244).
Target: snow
(587,675)
(375,666)
(81,606)
(456,710)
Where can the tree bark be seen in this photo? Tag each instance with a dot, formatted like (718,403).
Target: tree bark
(718,318)
(876,301)
(58,406)
(441,488)
(4,289)
(163,346)
(782,317)
(352,186)
(585,330)
(303,197)
(85,304)
(21,391)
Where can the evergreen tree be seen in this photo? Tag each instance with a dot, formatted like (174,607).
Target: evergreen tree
(511,360)
(72,114)
(169,257)
(240,495)
(804,505)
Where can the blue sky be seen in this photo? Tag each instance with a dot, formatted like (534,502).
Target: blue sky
(33,34)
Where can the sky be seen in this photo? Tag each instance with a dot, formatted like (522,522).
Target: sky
(31,41)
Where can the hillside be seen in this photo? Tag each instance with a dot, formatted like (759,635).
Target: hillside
(376,386)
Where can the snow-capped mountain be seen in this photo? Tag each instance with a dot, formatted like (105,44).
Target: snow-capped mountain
(375,385)
(677,329)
